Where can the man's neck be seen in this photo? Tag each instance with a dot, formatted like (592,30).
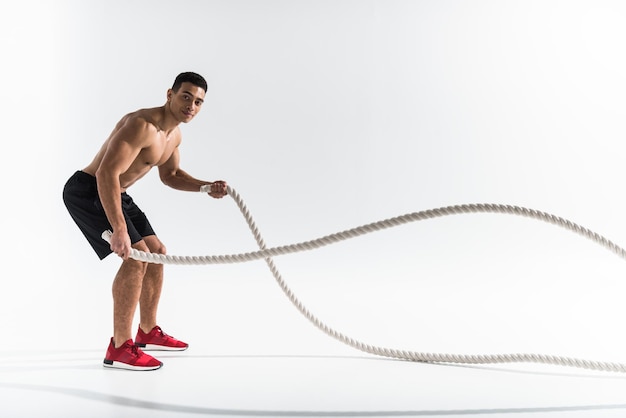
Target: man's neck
(163,122)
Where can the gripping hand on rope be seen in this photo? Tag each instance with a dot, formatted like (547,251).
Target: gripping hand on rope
(217,189)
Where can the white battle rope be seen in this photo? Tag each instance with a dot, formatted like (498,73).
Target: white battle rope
(268,253)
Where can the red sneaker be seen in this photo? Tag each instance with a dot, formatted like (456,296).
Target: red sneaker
(128,356)
(158,340)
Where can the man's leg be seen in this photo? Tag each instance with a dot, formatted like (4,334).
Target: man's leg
(137,282)
(122,352)
(126,291)
(151,287)
(149,335)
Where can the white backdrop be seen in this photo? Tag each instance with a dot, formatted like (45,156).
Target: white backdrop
(326,115)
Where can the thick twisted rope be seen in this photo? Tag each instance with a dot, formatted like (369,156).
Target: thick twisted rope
(268,253)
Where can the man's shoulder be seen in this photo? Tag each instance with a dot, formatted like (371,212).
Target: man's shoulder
(136,128)
(140,120)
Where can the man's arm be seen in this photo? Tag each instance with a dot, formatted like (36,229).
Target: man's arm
(122,149)
(173,176)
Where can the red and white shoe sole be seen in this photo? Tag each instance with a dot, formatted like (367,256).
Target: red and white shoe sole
(119,365)
(156,347)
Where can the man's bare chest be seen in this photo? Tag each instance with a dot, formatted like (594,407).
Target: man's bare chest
(156,154)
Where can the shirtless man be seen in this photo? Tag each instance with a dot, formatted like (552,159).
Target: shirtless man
(97,201)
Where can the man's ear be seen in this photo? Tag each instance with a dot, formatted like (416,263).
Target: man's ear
(169,94)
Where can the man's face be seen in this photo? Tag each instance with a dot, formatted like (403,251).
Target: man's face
(186,102)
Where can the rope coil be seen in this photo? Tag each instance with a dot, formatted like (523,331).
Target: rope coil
(267,253)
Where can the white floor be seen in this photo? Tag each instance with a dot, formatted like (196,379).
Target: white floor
(74,384)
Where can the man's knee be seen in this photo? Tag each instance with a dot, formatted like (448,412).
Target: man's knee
(155,245)
(134,267)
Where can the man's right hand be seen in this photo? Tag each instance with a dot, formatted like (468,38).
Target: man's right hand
(120,244)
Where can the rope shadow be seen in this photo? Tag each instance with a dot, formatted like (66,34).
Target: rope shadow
(187,409)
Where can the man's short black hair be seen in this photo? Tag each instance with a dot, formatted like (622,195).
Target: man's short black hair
(193,78)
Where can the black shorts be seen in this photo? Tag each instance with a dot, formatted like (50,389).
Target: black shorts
(80,195)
